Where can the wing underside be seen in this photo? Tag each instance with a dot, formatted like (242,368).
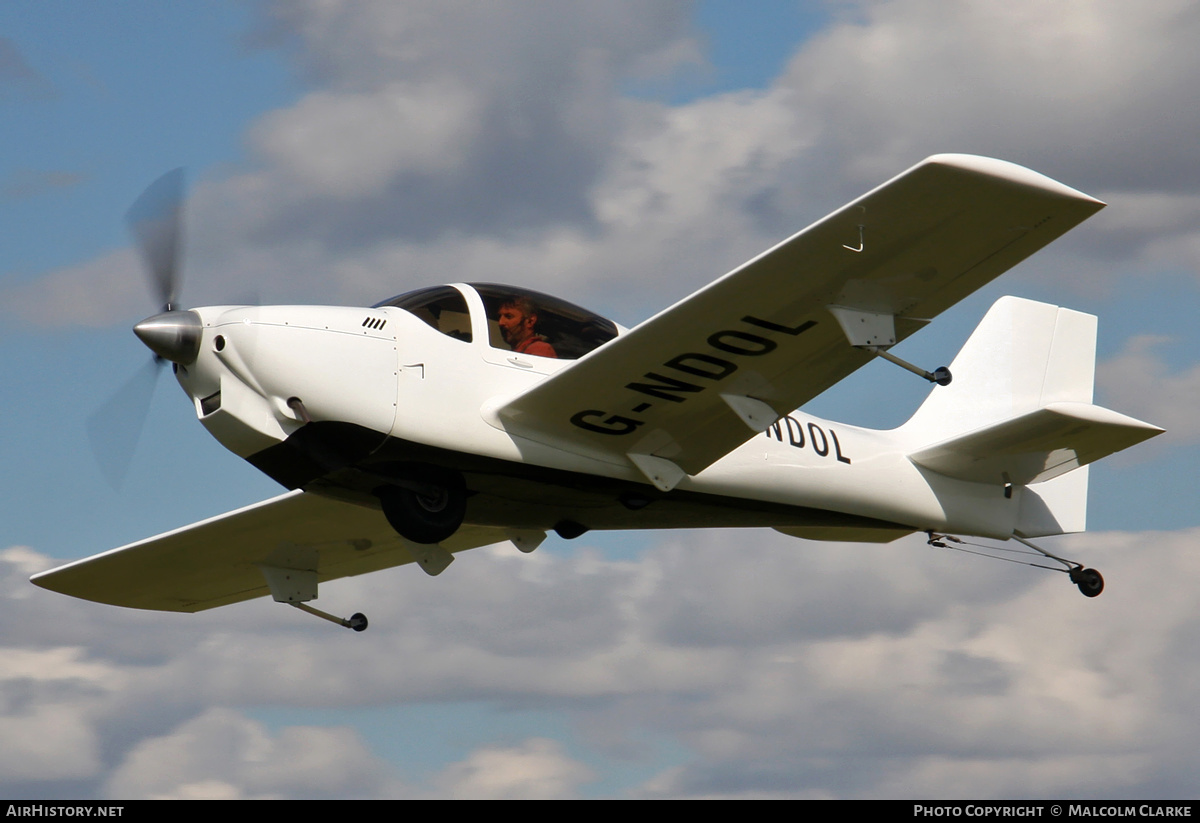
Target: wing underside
(217,562)
(694,382)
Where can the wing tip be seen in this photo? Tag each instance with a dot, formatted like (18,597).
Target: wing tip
(1011,172)
(44,579)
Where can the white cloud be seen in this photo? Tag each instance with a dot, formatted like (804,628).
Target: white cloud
(97,294)
(537,769)
(54,741)
(444,142)
(1072,83)
(1140,384)
(222,755)
(355,44)
(354,145)
(654,201)
(779,666)
(1035,693)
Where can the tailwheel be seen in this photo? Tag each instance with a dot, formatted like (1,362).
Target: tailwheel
(425,506)
(1089,581)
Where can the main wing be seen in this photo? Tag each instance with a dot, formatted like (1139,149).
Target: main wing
(216,562)
(698,379)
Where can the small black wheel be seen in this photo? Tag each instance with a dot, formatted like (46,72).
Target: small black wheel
(569,529)
(358,622)
(942,376)
(1089,582)
(430,512)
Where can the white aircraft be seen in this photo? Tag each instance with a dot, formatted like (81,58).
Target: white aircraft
(464,415)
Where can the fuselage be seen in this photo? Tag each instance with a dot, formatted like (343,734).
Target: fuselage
(336,400)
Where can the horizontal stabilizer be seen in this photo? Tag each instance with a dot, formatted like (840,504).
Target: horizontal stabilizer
(1036,446)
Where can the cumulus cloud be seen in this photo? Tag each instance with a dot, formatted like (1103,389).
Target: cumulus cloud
(222,755)
(538,769)
(435,117)
(444,142)
(95,293)
(780,667)
(1141,384)
(1065,89)
(1032,693)
(350,145)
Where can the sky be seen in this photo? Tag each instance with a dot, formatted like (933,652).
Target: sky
(620,154)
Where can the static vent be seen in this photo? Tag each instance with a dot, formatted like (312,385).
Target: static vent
(375,323)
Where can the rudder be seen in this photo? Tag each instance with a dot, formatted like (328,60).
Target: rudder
(1023,355)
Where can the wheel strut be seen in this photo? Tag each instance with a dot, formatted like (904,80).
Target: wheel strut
(356,621)
(1088,581)
(941,375)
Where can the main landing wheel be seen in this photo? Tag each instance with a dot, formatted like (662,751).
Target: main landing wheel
(1089,581)
(429,506)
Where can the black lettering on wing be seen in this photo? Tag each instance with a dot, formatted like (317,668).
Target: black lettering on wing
(741,342)
(702,365)
(662,390)
(615,424)
(706,367)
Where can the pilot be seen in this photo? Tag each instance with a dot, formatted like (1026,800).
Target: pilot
(518,323)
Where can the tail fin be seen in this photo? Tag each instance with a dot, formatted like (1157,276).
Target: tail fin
(1019,412)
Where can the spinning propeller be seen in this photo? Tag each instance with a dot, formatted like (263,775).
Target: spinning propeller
(155,220)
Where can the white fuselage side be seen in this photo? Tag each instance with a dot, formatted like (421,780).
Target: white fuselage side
(385,371)
(263,373)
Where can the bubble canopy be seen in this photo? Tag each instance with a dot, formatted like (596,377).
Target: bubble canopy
(570,331)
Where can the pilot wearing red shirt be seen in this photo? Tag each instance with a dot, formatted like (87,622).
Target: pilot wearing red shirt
(518,323)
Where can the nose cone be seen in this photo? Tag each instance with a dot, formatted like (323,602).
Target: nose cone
(172,335)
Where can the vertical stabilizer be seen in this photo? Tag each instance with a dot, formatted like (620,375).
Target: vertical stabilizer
(1057,506)
(1019,414)
(1022,356)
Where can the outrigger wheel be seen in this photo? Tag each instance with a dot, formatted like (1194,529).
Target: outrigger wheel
(1089,581)
(426,504)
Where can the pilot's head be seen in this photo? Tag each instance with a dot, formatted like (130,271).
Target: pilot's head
(518,320)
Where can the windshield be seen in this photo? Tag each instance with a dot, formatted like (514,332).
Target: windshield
(442,307)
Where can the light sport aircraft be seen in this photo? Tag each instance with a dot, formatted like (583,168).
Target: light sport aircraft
(459,416)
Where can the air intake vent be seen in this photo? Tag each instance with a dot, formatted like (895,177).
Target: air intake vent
(375,323)
(210,404)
